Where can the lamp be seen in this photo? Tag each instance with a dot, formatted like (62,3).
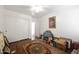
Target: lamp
(37,8)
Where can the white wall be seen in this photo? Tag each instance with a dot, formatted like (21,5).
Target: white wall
(17,25)
(67,22)
(1,18)
(36,20)
(37,28)
(36,31)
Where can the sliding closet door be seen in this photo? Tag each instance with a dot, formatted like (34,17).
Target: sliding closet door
(17,28)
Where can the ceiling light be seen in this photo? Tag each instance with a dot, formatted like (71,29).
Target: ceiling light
(36,8)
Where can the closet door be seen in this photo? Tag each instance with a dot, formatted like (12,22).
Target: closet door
(17,28)
(22,29)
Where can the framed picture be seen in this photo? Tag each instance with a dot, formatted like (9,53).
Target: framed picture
(52,22)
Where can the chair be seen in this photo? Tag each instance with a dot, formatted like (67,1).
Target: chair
(46,36)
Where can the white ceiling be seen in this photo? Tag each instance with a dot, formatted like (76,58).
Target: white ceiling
(25,9)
